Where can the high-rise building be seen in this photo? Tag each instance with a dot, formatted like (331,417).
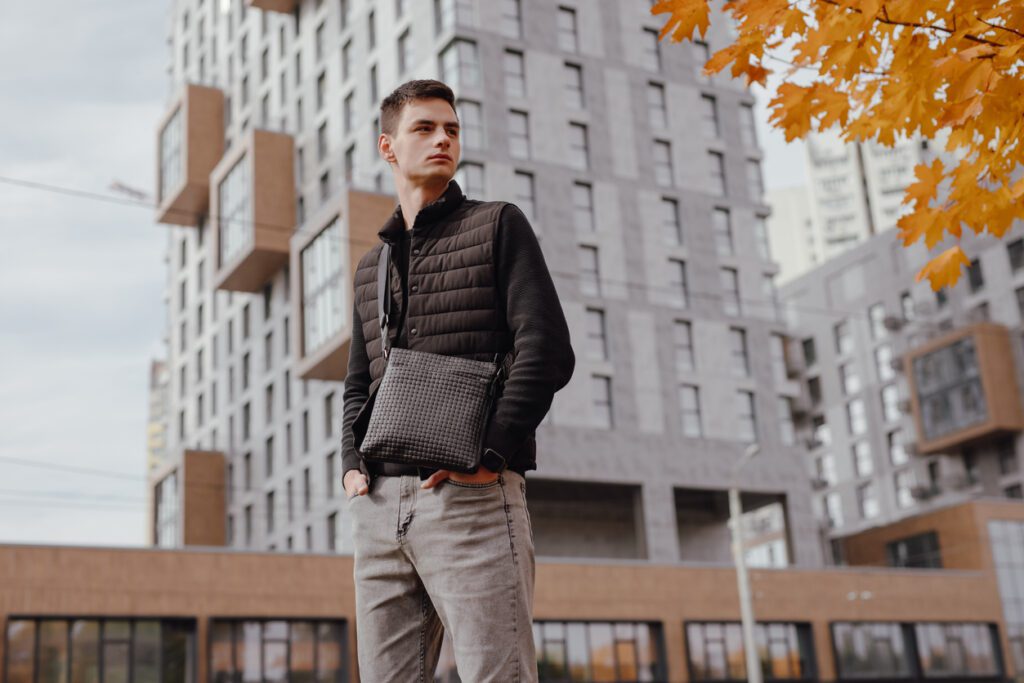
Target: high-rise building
(910,398)
(855,190)
(156,426)
(642,179)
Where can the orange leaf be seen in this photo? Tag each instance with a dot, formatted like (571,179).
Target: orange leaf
(928,179)
(944,269)
(685,16)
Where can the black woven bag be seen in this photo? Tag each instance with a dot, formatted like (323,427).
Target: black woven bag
(430,410)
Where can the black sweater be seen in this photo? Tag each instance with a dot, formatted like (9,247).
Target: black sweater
(534,315)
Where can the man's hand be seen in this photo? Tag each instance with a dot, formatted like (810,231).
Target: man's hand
(355,484)
(481,476)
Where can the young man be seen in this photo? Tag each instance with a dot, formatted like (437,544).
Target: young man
(438,549)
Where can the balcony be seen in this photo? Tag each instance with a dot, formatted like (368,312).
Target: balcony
(252,210)
(284,6)
(190,142)
(963,388)
(324,260)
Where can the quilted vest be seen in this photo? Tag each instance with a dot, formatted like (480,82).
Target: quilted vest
(453,305)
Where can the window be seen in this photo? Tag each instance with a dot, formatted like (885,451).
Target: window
(597,346)
(1015,252)
(589,274)
(566,26)
(512,19)
(672,227)
(307,640)
(470,178)
(579,152)
(447,13)
(268,403)
(825,469)
(663,163)
(876,319)
(595,646)
(957,651)
(738,349)
(761,236)
(583,206)
(717,173)
(833,510)
(515,74)
(329,414)
(347,112)
(405,57)
(883,363)
(574,86)
(472,131)
(709,116)
(814,389)
(373,84)
(748,131)
(867,502)
(602,406)
(890,403)
(722,225)
(321,142)
(904,483)
(346,59)
(652,50)
(677,282)
(325,186)
(787,432)
(810,351)
(349,166)
(870,650)
(849,380)
(371,30)
(729,278)
(755,183)
(863,463)
(657,114)
(716,652)
(701,54)
(975,277)
(689,406)
(843,337)
(682,343)
(778,354)
(746,418)
(856,420)
(518,135)
(897,454)
(459,65)
(524,194)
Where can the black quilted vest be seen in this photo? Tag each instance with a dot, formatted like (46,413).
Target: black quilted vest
(453,306)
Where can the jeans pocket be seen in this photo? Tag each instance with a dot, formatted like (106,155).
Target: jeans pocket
(470,485)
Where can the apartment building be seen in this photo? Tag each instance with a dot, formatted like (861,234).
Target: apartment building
(910,398)
(642,179)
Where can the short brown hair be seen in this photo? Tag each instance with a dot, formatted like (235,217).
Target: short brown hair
(391,107)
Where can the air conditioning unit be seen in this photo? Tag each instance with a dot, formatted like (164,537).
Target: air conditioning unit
(893,323)
(818,484)
(922,492)
(812,443)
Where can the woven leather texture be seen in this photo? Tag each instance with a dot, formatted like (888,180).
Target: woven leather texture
(430,410)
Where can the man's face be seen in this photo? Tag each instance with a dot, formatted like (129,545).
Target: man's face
(426,144)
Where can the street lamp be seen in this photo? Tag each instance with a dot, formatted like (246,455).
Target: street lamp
(746,608)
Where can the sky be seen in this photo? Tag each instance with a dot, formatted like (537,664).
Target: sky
(82,281)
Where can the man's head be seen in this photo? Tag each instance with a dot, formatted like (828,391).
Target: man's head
(419,127)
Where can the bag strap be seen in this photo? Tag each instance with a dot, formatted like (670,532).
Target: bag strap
(384,296)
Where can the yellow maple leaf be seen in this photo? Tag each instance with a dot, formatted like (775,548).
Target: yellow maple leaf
(944,269)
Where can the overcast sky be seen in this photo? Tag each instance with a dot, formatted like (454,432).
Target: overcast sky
(82,281)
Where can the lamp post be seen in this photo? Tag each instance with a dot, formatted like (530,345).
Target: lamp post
(742,583)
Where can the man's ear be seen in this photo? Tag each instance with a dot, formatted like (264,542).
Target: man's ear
(384,148)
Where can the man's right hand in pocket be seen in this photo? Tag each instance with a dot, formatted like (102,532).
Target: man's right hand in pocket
(355,484)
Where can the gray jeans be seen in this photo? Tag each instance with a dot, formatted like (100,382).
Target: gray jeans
(456,557)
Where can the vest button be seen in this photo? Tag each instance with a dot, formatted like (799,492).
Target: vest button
(416,251)
(415,288)
(413,330)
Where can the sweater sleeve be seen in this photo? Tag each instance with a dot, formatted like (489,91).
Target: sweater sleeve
(543,355)
(357,384)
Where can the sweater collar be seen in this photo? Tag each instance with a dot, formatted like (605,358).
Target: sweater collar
(394,230)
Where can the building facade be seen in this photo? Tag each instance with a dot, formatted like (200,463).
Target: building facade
(911,399)
(854,191)
(642,180)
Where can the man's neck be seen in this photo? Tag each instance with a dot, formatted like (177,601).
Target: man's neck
(413,198)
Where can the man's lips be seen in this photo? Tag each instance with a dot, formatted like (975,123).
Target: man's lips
(440,156)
